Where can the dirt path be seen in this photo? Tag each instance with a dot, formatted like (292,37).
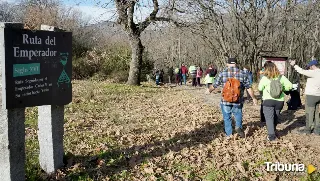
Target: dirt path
(291,121)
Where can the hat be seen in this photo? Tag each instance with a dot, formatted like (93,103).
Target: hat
(232,61)
(311,63)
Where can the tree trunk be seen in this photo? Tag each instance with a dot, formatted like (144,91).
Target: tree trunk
(136,60)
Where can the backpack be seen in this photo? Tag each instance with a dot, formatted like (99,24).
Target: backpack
(212,73)
(231,90)
(276,88)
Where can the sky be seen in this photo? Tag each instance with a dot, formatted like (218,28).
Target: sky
(95,12)
(98,10)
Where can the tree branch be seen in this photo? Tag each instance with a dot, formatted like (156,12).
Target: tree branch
(143,25)
(153,18)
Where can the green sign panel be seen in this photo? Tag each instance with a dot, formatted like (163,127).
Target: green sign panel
(26,69)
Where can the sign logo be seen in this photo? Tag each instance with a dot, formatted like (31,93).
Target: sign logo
(64,78)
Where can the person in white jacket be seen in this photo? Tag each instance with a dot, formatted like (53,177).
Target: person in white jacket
(312,92)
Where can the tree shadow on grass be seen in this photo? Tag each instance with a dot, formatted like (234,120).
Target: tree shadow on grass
(120,160)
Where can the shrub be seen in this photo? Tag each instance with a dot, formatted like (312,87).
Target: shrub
(110,63)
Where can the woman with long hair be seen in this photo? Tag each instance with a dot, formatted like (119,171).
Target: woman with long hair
(273,85)
(261,74)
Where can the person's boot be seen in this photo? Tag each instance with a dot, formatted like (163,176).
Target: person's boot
(271,137)
(317,130)
(308,128)
(240,132)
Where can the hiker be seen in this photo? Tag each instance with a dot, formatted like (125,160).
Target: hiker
(161,76)
(208,81)
(184,73)
(211,70)
(157,75)
(312,92)
(177,72)
(246,70)
(170,74)
(273,85)
(234,81)
(295,101)
(199,75)
(193,74)
(261,74)
(209,77)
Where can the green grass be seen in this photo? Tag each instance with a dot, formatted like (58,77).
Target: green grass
(33,170)
(312,177)
(31,117)
(95,97)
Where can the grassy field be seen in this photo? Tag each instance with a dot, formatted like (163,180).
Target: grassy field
(119,132)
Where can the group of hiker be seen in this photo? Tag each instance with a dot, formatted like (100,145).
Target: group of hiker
(196,73)
(273,87)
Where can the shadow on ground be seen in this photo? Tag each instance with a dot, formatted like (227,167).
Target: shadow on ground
(288,123)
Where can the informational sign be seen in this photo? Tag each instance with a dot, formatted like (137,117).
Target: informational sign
(280,63)
(38,68)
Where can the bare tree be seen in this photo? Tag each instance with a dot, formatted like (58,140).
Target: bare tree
(6,12)
(125,11)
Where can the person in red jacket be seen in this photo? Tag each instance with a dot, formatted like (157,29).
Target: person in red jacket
(184,72)
(212,70)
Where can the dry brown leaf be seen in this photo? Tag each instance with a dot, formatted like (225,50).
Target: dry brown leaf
(148,170)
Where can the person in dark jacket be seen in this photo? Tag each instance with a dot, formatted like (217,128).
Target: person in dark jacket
(161,76)
(295,101)
(177,72)
(170,74)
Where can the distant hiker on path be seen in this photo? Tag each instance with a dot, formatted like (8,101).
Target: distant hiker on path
(234,81)
(211,71)
(199,75)
(161,76)
(209,77)
(177,72)
(184,73)
(273,85)
(157,75)
(193,74)
(246,70)
(170,74)
(312,92)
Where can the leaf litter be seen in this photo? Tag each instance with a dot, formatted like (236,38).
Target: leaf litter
(119,132)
